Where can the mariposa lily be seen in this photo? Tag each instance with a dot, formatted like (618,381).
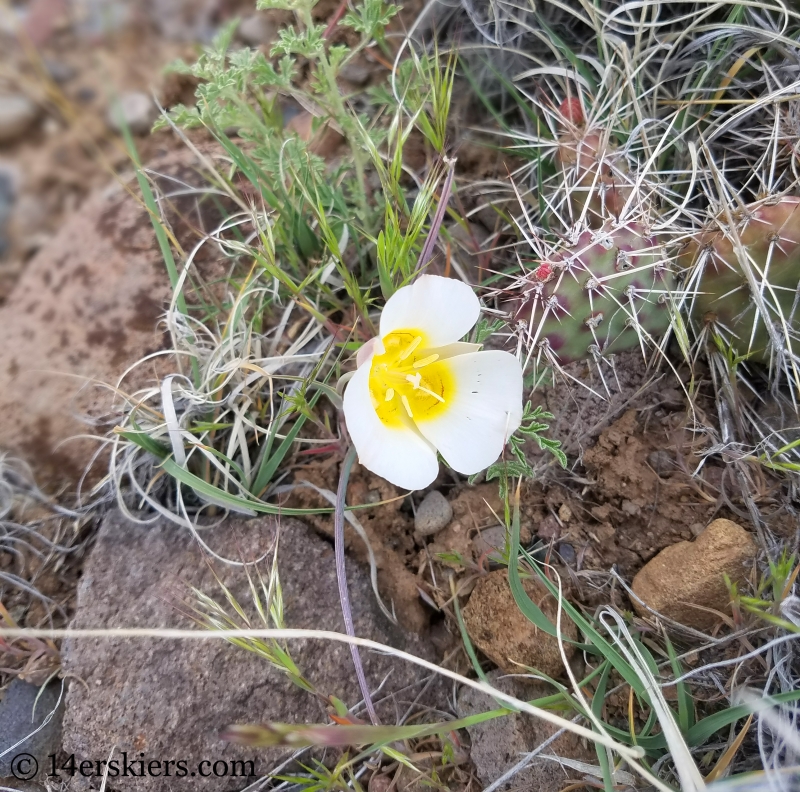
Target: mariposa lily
(418,389)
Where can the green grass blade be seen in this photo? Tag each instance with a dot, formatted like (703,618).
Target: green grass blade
(706,727)
(685,703)
(596,643)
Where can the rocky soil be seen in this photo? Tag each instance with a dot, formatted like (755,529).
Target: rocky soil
(83,287)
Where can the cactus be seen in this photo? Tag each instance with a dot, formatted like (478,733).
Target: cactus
(743,281)
(594,174)
(606,293)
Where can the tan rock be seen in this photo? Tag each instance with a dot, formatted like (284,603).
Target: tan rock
(85,309)
(499,629)
(688,576)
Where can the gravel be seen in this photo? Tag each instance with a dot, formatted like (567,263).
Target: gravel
(433,514)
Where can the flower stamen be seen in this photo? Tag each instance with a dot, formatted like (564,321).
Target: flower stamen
(404,399)
(431,393)
(425,361)
(390,394)
(410,348)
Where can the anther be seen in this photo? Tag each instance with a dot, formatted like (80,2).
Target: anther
(410,348)
(390,394)
(425,361)
(404,399)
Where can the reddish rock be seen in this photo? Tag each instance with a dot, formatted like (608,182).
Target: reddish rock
(86,308)
(501,631)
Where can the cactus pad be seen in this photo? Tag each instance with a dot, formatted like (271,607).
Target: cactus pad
(744,279)
(606,293)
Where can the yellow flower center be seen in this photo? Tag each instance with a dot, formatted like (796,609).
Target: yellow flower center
(408,380)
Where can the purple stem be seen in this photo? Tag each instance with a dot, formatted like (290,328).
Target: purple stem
(433,234)
(341,577)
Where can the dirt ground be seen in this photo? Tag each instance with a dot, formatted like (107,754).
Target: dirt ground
(632,488)
(638,479)
(638,482)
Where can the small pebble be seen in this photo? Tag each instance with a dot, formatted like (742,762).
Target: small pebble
(356,73)
(58,71)
(548,528)
(17,114)
(433,514)
(630,508)
(662,462)
(134,110)
(567,553)
(85,95)
(256,29)
(96,19)
(490,542)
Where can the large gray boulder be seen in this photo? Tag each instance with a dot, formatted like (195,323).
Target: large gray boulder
(169,699)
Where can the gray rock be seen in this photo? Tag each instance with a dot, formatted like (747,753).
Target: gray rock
(490,542)
(567,553)
(59,71)
(168,698)
(257,29)
(662,462)
(17,114)
(433,514)
(7,198)
(183,20)
(18,722)
(134,110)
(357,73)
(500,743)
(95,19)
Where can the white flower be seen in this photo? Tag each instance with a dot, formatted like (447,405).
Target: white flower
(419,390)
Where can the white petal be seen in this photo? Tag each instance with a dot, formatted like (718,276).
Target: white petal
(451,350)
(366,352)
(442,308)
(400,455)
(485,410)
